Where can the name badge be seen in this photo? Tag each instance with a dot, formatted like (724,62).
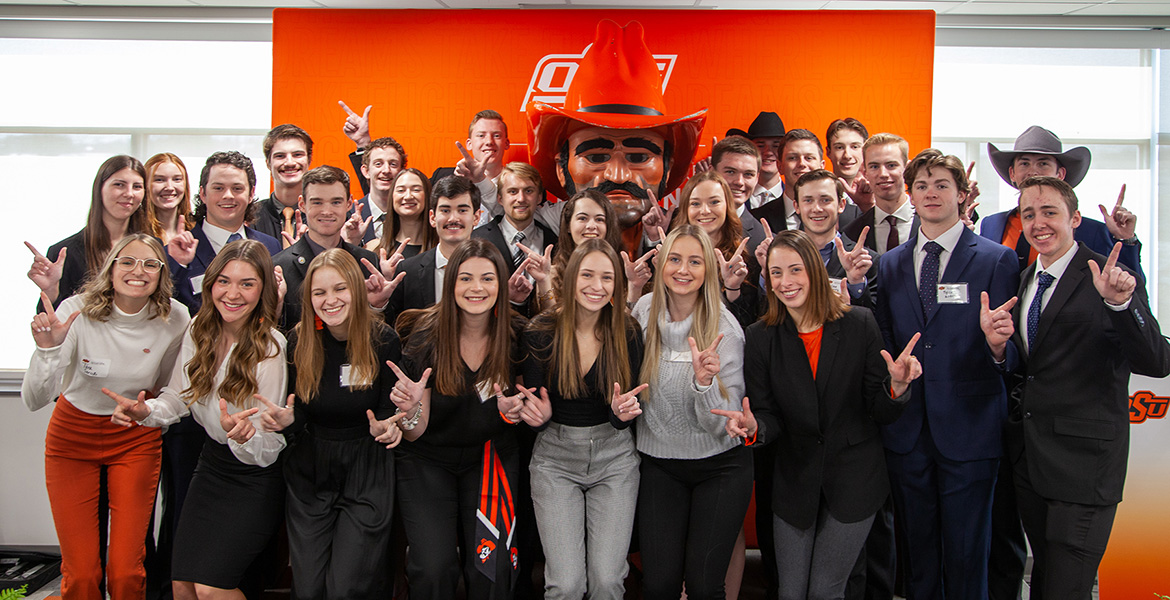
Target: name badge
(952,293)
(346,377)
(485,391)
(836,283)
(197,284)
(95,367)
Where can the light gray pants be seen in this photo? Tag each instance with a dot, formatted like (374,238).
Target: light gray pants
(585,490)
(815,563)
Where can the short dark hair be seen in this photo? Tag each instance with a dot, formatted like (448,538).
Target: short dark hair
(324,175)
(486,114)
(801,134)
(230,158)
(931,158)
(848,123)
(1056,183)
(284,132)
(383,142)
(818,175)
(453,186)
(734,144)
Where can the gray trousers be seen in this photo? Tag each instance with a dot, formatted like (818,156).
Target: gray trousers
(815,563)
(585,490)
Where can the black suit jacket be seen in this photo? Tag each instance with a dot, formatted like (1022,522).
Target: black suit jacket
(1072,421)
(491,232)
(417,289)
(836,270)
(853,229)
(294,262)
(825,430)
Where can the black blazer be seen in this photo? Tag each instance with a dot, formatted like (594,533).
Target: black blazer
(853,229)
(417,289)
(825,430)
(1072,421)
(836,270)
(491,232)
(294,262)
(73,272)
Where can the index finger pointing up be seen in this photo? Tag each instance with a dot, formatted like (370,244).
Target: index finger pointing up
(910,346)
(861,239)
(464,152)
(715,344)
(35,252)
(345,107)
(1120,198)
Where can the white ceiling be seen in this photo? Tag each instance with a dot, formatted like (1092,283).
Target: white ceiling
(1049,8)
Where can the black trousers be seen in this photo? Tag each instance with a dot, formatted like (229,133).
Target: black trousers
(875,573)
(437,498)
(1009,552)
(1068,541)
(689,515)
(764,466)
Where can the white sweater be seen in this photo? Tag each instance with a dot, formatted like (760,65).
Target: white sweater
(127,354)
(676,420)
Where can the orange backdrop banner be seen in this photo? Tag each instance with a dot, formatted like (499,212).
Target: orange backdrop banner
(427,72)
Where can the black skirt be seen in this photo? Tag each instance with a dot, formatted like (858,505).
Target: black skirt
(231,512)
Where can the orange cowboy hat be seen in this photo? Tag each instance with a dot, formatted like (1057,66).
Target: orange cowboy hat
(617,86)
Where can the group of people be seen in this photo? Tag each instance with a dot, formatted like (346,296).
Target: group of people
(459,362)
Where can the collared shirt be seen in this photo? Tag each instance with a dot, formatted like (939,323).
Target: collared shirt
(762,195)
(218,236)
(904,214)
(317,248)
(948,240)
(533,238)
(377,213)
(1056,270)
(440,269)
(790,215)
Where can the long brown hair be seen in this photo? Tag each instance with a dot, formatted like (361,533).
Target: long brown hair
(97,237)
(823,304)
(565,243)
(184,207)
(613,362)
(434,332)
(732,229)
(254,343)
(98,293)
(364,328)
(392,223)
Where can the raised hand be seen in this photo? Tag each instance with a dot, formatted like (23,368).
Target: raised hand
(905,369)
(509,406)
(128,412)
(48,331)
(357,127)
(656,220)
(973,193)
(378,288)
(182,248)
(626,406)
(518,285)
(705,363)
(1115,284)
(407,393)
(537,265)
(299,229)
(967,216)
(469,167)
(389,265)
(355,227)
(46,273)
(860,192)
(740,423)
(537,410)
(997,324)
(276,418)
(1122,224)
(734,270)
(386,431)
(238,426)
(638,272)
(762,249)
(857,261)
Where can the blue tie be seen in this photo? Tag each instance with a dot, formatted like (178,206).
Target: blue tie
(928,278)
(1043,280)
(235,237)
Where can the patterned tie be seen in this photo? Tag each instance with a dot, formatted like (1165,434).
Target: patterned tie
(517,253)
(235,237)
(1043,280)
(928,278)
(892,239)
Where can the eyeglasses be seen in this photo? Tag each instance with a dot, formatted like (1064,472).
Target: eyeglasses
(150,265)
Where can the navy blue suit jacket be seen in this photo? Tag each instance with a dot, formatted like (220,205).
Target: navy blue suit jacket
(1091,233)
(181,276)
(961,391)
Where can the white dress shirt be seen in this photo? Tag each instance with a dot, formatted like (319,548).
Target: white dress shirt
(948,240)
(218,236)
(1056,270)
(762,195)
(440,269)
(904,215)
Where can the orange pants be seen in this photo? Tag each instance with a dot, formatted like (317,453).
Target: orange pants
(77,446)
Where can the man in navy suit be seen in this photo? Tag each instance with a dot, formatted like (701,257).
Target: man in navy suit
(943,453)
(225,202)
(1082,325)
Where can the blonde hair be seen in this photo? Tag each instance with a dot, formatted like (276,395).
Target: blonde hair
(705,324)
(254,343)
(98,293)
(364,328)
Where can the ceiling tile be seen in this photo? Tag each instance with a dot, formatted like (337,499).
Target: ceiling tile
(1018,8)
(1127,9)
(379,4)
(938,6)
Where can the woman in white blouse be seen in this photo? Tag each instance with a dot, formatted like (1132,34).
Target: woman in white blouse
(230,355)
(122,333)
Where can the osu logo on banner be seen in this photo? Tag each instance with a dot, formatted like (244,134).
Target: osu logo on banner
(553,74)
(1145,405)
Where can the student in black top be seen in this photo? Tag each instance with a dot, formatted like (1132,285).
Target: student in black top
(582,356)
(454,482)
(340,478)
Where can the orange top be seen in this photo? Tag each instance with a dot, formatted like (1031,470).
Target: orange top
(1012,232)
(812,347)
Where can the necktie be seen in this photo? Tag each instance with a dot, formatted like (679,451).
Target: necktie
(288,228)
(517,253)
(892,239)
(235,237)
(928,278)
(1043,281)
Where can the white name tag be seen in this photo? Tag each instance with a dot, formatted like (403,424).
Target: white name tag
(485,391)
(836,283)
(95,367)
(346,377)
(197,284)
(952,293)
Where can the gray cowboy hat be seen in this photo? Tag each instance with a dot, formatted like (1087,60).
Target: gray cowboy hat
(1038,140)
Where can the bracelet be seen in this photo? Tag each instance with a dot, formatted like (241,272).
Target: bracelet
(409,423)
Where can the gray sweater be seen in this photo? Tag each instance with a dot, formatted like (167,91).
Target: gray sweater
(676,420)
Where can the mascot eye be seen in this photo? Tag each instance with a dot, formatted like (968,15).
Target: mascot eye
(637,158)
(597,159)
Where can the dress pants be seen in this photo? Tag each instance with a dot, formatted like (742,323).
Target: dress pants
(689,515)
(1009,551)
(815,563)
(585,490)
(77,446)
